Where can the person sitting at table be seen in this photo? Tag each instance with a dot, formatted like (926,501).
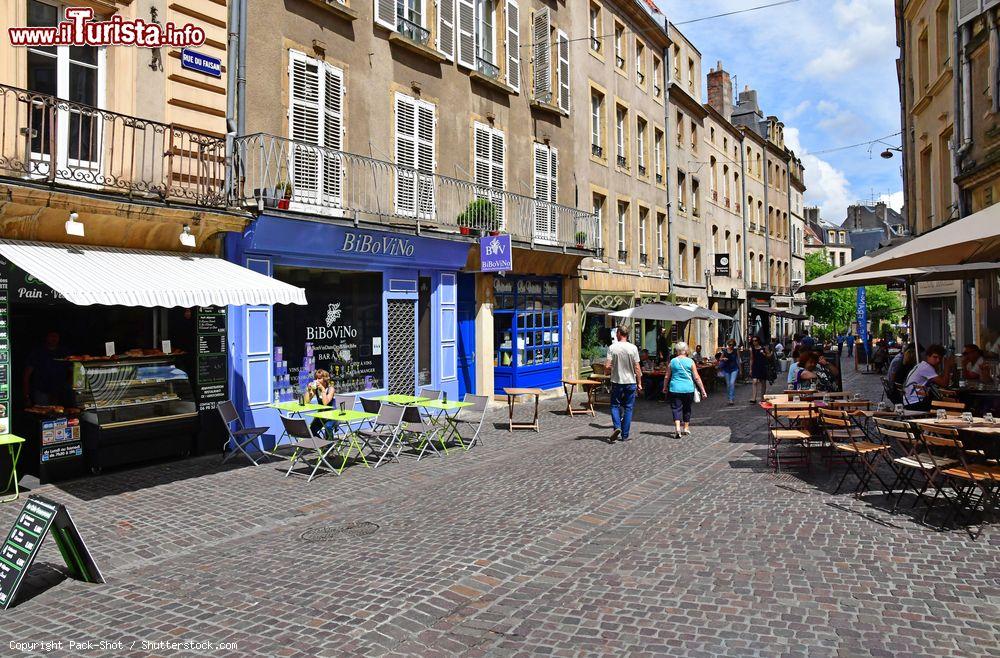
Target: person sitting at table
(974,366)
(827,375)
(320,391)
(697,357)
(915,394)
(645,360)
(662,346)
(794,368)
(806,378)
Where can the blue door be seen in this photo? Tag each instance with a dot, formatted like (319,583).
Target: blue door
(466,334)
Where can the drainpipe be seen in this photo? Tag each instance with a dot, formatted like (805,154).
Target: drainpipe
(746,215)
(963,111)
(241,76)
(669,139)
(767,231)
(232,54)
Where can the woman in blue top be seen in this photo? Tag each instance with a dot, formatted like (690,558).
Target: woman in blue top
(729,366)
(679,387)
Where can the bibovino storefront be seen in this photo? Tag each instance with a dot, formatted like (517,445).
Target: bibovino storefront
(369,294)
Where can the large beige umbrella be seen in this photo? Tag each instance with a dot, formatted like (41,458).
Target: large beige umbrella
(972,239)
(834,279)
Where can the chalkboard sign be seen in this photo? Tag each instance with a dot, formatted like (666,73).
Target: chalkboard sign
(211,381)
(39,517)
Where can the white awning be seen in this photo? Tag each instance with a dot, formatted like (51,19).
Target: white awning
(130,277)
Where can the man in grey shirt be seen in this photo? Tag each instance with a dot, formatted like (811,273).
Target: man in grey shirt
(626,381)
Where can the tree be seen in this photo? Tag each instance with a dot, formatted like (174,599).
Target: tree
(838,307)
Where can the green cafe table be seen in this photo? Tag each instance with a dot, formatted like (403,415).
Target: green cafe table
(347,417)
(14,445)
(401,400)
(440,418)
(293,409)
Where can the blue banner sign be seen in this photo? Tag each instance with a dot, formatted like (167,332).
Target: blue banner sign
(195,61)
(495,254)
(863,317)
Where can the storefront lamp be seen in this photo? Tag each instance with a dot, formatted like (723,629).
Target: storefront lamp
(186,238)
(74,227)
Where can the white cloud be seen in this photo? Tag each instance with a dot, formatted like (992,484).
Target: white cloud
(894,200)
(826,186)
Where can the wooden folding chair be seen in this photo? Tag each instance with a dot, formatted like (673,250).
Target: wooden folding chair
(951,408)
(850,406)
(914,459)
(789,424)
(946,395)
(977,485)
(849,441)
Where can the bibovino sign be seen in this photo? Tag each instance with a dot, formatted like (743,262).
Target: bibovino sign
(385,245)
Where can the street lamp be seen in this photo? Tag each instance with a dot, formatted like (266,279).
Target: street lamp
(887,153)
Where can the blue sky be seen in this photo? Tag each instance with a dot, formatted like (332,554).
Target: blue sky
(828,70)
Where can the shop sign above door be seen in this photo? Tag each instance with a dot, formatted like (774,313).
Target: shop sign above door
(376,245)
(495,254)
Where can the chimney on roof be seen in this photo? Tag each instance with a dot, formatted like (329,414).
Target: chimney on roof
(881,211)
(720,91)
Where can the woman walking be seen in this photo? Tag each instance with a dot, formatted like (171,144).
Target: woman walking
(729,366)
(759,357)
(679,386)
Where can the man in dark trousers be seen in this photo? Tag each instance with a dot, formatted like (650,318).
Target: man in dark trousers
(626,381)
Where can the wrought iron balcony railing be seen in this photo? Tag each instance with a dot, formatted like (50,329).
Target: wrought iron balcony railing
(622,255)
(644,259)
(597,150)
(51,140)
(488,68)
(660,261)
(622,161)
(413,31)
(280,173)
(642,170)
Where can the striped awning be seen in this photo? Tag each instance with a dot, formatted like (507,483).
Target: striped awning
(87,275)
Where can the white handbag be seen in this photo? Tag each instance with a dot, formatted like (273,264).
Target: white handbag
(697,396)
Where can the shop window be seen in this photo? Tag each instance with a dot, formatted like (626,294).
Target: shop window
(527,320)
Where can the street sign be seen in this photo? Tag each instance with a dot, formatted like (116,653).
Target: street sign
(39,517)
(192,60)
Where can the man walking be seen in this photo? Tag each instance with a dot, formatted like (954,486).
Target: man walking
(626,380)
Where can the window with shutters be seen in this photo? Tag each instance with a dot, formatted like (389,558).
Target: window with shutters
(489,161)
(596,36)
(541,50)
(315,125)
(416,123)
(562,70)
(659,163)
(546,193)
(513,46)
(622,228)
(640,63)
(620,62)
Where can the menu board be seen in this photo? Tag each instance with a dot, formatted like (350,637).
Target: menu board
(211,381)
(4,347)
(39,517)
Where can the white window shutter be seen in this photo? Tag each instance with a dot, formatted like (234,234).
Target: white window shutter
(446,28)
(562,43)
(406,155)
(482,174)
(385,13)
(497,162)
(968,9)
(333,135)
(466,33)
(554,177)
(542,49)
(541,190)
(304,126)
(513,45)
(426,158)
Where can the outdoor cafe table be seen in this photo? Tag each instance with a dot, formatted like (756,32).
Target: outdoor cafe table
(401,400)
(977,435)
(440,419)
(294,409)
(569,389)
(512,395)
(346,417)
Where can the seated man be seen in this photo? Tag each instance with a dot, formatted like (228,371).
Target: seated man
(915,394)
(645,360)
(974,366)
(827,375)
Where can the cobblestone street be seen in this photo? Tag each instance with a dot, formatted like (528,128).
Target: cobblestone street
(548,543)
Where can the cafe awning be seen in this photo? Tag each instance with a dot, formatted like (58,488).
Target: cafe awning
(972,239)
(832,280)
(87,275)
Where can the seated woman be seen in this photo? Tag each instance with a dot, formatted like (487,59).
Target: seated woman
(793,370)
(827,375)
(806,378)
(320,391)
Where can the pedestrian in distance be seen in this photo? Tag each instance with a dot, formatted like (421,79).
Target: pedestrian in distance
(626,381)
(760,355)
(729,366)
(680,384)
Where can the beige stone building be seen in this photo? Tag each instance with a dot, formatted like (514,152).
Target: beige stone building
(622,168)
(437,120)
(688,174)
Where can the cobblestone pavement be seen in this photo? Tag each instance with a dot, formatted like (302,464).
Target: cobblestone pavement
(550,543)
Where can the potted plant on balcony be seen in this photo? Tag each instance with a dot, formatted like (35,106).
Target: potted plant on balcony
(479,213)
(581,239)
(284,194)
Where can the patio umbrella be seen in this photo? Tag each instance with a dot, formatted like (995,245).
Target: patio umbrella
(657,311)
(833,279)
(972,239)
(705,313)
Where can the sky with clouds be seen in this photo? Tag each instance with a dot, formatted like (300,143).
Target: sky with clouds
(828,70)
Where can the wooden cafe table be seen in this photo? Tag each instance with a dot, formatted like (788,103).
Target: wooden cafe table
(512,395)
(569,388)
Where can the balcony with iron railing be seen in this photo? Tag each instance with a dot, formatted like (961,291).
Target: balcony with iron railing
(273,172)
(49,140)
(488,68)
(413,31)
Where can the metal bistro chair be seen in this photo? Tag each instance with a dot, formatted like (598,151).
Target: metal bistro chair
(306,444)
(430,393)
(916,459)
(471,418)
(850,441)
(891,392)
(417,434)
(976,484)
(241,437)
(381,438)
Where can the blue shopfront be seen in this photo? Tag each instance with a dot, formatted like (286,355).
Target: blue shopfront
(527,332)
(369,293)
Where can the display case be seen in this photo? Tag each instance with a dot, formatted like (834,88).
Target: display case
(134,410)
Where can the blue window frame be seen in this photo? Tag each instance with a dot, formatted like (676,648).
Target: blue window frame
(527,324)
